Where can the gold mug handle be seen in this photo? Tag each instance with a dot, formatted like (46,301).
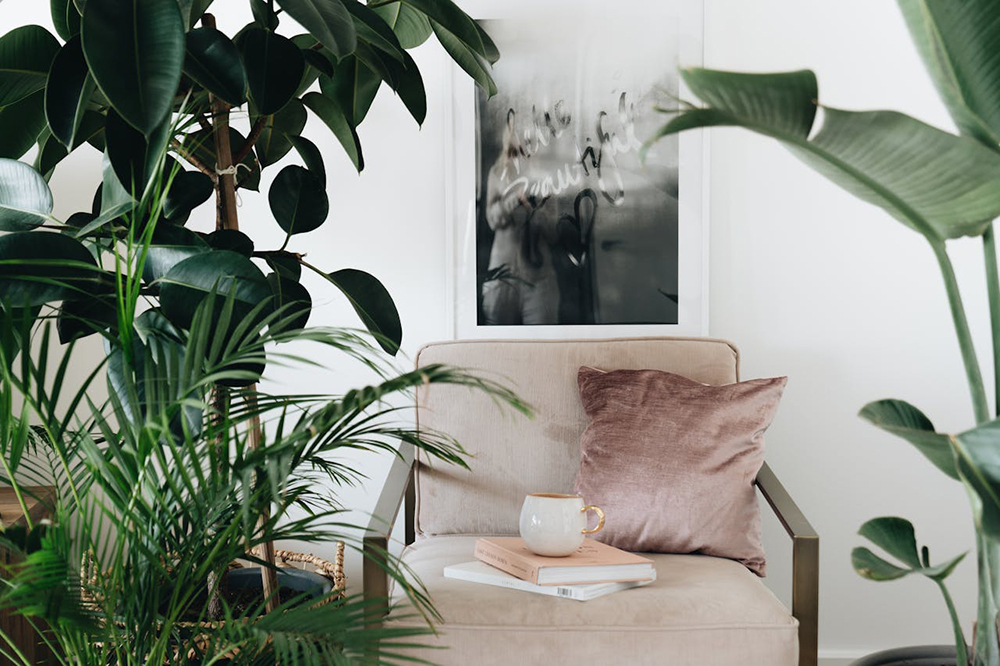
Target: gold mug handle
(600,518)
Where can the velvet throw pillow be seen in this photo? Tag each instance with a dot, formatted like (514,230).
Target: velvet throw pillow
(672,461)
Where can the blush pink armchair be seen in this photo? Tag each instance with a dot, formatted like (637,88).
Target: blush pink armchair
(701,610)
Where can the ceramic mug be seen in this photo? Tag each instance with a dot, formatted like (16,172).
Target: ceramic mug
(554,525)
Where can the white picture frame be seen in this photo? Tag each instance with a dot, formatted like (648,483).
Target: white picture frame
(686,19)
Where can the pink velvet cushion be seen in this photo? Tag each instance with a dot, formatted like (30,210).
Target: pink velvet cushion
(672,461)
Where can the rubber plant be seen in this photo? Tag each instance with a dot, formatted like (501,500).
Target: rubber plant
(184,113)
(941,185)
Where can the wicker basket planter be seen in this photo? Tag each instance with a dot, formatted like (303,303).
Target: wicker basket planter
(287,559)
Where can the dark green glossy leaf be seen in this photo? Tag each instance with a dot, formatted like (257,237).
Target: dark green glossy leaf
(904,420)
(263,15)
(327,20)
(411,26)
(25,198)
(274,67)
(219,272)
(214,63)
(467,58)
(171,245)
(354,87)
(409,85)
(188,190)
(274,143)
(311,156)
(318,61)
(133,157)
(136,54)
(886,158)
(50,153)
(198,9)
(373,304)
(68,91)
(44,267)
(22,123)
(26,55)
(298,200)
(284,264)
(231,239)
(373,31)
(293,296)
(114,200)
(85,316)
(330,113)
(449,17)
(65,18)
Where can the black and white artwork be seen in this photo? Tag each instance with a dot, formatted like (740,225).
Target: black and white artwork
(571,227)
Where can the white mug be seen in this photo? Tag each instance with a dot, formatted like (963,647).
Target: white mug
(554,525)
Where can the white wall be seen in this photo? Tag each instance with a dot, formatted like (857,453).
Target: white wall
(808,281)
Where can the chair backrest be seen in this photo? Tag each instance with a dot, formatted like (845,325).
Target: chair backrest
(514,455)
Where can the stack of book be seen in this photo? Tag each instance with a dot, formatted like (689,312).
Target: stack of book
(594,570)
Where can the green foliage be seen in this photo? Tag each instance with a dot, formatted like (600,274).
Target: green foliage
(942,185)
(169,462)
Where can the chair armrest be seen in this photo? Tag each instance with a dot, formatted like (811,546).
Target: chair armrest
(375,545)
(805,563)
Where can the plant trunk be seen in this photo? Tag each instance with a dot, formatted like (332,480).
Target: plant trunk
(226,218)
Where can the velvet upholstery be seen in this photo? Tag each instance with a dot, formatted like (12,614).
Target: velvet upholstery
(672,461)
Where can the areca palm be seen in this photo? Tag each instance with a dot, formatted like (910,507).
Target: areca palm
(165,482)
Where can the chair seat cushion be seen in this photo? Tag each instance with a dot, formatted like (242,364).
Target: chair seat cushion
(700,610)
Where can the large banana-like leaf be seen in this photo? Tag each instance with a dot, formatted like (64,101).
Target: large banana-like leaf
(960,44)
(977,455)
(904,420)
(941,185)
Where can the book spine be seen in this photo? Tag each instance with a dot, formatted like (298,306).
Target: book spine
(506,561)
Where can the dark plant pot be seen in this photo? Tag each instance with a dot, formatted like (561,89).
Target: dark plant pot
(242,587)
(295,580)
(923,655)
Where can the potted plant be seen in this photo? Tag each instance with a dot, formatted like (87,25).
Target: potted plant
(942,186)
(187,467)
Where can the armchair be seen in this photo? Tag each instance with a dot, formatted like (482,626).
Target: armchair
(701,609)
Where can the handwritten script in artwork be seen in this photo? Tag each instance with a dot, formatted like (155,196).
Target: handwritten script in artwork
(614,135)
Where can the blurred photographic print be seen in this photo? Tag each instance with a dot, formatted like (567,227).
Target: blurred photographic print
(571,227)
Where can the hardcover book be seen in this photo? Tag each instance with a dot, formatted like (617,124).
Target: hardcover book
(480,572)
(593,562)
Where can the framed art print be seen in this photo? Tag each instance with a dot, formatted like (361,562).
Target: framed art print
(559,229)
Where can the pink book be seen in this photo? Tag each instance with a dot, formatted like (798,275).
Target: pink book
(593,562)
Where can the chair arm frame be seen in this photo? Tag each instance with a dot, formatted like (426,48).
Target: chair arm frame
(399,485)
(805,563)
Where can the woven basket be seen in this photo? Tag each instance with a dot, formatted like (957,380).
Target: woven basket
(290,559)
(332,571)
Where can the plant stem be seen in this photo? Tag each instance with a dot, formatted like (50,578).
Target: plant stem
(993,289)
(986,649)
(226,218)
(961,649)
(255,132)
(973,374)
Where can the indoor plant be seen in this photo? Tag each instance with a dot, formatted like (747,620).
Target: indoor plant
(940,185)
(189,319)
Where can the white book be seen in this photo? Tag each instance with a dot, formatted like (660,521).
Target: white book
(480,572)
